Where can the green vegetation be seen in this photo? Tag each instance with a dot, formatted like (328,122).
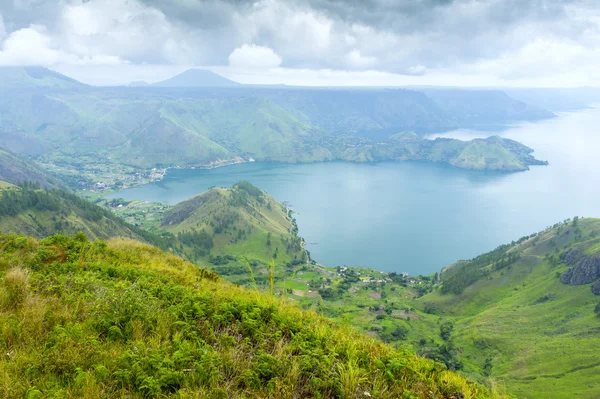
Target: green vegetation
(109,138)
(227,228)
(123,319)
(41,213)
(17,171)
(504,318)
(517,322)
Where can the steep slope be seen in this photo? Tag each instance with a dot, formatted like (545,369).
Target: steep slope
(16,171)
(242,221)
(196,78)
(41,213)
(515,310)
(120,318)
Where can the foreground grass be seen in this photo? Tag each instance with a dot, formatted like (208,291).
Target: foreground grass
(123,319)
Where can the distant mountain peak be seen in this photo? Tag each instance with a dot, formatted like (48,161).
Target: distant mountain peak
(197,78)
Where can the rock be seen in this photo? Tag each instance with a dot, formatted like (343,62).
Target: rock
(596,288)
(585,269)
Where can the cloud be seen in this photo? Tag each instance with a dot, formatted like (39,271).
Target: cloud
(356,60)
(2,28)
(33,46)
(253,56)
(506,40)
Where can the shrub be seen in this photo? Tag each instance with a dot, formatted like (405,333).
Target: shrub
(16,283)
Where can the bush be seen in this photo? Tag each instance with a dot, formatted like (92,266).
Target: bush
(16,283)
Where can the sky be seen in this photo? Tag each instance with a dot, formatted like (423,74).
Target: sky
(310,42)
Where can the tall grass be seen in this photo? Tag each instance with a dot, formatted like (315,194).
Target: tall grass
(132,321)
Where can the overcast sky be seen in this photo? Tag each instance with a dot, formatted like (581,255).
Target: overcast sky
(310,42)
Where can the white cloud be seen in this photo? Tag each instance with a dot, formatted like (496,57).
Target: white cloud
(2,28)
(254,57)
(33,46)
(356,60)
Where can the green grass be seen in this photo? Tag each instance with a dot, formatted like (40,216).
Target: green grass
(541,334)
(123,319)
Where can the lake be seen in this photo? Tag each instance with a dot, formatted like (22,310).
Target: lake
(419,217)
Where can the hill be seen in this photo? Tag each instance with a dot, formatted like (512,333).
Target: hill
(229,227)
(35,77)
(524,317)
(527,311)
(120,318)
(15,170)
(196,78)
(41,213)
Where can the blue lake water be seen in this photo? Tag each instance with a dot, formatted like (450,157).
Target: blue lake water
(419,217)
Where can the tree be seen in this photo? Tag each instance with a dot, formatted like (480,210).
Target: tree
(597,310)
(446,329)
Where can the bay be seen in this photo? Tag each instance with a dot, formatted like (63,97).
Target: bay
(419,217)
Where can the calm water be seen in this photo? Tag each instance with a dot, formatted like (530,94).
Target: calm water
(419,217)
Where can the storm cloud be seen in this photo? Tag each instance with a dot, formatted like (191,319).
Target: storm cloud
(496,40)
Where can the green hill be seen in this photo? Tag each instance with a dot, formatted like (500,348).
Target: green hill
(527,309)
(101,136)
(227,227)
(42,213)
(122,319)
(35,77)
(15,170)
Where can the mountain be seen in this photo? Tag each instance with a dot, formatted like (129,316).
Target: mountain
(120,318)
(484,107)
(558,99)
(196,78)
(42,213)
(224,224)
(35,77)
(15,170)
(380,113)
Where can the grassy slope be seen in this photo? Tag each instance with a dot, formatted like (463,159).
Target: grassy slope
(15,170)
(541,334)
(44,213)
(122,319)
(242,223)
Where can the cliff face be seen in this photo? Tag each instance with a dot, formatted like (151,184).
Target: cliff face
(585,269)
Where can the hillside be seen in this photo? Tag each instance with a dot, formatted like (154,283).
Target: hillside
(120,318)
(492,153)
(484,107)
(527,310)
(523,318)
(15,170)
(196,78)
(105,137)
(42,213)
(35,77)
(222,226)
